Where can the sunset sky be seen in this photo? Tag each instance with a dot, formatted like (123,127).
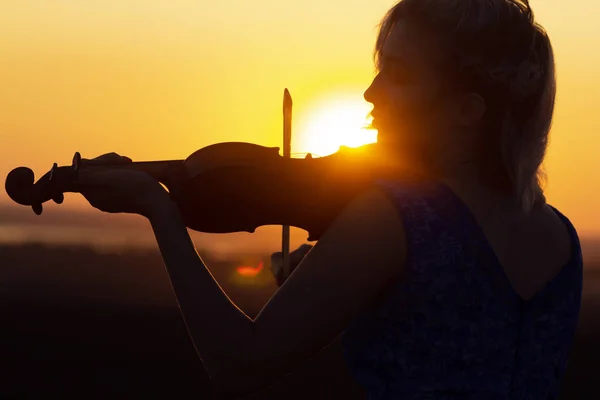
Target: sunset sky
(158,79)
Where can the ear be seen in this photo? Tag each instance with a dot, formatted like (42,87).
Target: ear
(469,110)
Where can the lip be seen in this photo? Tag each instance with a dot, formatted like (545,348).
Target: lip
(375,114)
(376,117)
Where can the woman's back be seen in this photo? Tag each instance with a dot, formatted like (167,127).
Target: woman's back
(457,324)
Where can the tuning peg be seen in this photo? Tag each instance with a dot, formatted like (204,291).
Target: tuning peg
(37,208)
(76,164)
(59,198)
(52,171)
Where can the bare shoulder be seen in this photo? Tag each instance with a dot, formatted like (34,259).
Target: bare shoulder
(539,246)
(372,223)
(373,207)
(373,219)
(552,233)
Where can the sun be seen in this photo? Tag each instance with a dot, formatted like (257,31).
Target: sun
(332,123)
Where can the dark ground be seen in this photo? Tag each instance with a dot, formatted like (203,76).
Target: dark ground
(78,324)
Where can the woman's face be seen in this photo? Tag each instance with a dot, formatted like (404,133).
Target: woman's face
(409,110)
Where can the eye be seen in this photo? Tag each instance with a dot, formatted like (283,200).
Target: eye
(396,73)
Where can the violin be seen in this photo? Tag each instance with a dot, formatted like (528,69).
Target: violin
(231,186)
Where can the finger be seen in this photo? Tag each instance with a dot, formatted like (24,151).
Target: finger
(112,158)
(97,200)
(108,158)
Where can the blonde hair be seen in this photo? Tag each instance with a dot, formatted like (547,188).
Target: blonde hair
(496,48)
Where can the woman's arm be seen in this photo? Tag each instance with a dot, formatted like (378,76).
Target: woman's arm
(324,375)
(341,276)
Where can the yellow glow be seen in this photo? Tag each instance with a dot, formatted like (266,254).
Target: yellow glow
(163,79)
(333,123)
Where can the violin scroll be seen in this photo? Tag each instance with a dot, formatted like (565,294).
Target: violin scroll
(21,187)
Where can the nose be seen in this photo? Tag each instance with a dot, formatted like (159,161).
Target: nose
(371,92)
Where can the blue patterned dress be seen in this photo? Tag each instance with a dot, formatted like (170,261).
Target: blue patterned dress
(452,327)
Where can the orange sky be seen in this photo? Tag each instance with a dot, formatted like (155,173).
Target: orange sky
(158,79)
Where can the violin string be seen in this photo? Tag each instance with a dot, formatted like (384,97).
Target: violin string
(305,153)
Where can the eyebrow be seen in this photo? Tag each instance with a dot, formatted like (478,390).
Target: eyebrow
(397,60)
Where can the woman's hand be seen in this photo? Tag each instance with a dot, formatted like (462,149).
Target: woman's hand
(296,257)
(118,190)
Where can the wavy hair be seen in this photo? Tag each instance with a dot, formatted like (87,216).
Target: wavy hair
(496,48)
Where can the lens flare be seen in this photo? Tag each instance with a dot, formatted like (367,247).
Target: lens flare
(249,271)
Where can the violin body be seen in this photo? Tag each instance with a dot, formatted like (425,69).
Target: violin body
(232,186)
(244,193)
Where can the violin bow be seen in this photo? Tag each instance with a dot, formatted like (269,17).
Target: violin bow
(287,151)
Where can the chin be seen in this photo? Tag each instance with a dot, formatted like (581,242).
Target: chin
(386,135)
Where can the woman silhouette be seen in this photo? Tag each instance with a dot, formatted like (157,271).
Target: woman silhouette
(459,282)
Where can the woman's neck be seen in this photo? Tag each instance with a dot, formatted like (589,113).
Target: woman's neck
(480,191)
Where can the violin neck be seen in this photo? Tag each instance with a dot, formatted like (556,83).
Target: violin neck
(161,170)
